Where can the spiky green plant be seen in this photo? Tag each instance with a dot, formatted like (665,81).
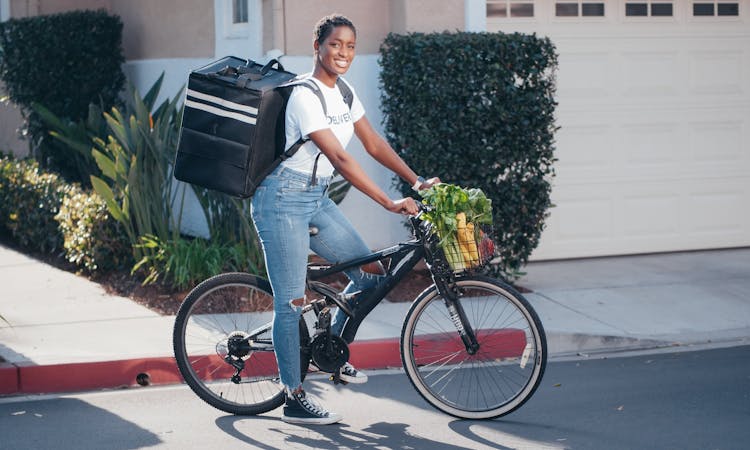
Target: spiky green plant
(135,161)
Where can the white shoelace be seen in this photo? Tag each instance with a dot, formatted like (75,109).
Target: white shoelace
(348,369)
(310,406)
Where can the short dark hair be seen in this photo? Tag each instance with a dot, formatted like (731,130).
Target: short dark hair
(325,26)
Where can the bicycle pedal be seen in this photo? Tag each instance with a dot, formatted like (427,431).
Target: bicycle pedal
(337,379)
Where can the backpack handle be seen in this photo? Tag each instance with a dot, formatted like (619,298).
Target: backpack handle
(269,65)
(256,74)
(247,72)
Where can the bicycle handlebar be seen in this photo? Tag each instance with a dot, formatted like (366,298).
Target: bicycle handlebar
(417,221)
(423,209)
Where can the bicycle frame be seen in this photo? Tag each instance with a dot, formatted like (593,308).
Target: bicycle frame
(403,257)
(439,345)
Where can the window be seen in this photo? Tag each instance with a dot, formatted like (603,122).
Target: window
(636,9)
(239,11)
(238,30)
(651,8)
(661,9)
(716,8)
(510,8)
(237,16)
(579,9)
(594,9)
(566,9)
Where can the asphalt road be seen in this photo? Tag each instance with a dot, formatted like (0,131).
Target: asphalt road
(681,400)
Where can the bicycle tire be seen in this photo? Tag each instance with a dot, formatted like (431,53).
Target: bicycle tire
(501,376)
(223,307)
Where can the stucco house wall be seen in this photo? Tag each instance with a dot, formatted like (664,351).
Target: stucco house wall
(655,110)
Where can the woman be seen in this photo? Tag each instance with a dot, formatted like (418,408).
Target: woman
(290,201)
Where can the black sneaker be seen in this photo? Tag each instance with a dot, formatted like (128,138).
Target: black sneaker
(351,375)
(300,409)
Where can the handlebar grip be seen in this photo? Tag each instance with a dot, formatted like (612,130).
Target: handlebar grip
(424,208)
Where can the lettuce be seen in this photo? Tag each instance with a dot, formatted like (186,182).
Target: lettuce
(447,202)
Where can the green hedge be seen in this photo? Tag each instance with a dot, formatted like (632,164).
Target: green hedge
(29,201)
(43,213)
(64,62)
(477,109)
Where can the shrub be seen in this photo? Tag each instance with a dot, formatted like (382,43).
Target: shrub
(183,263)
(134,147)
(64,62)
(29,201)
(43,213)
(135,160)
(76,138)
(477,109)
(230,224)
(92,239)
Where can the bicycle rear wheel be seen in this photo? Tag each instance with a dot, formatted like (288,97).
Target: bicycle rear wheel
(500,376)
(224,324)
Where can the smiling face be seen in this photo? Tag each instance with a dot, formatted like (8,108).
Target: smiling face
(335,54)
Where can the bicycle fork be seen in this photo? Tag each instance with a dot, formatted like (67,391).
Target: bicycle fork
(458,316)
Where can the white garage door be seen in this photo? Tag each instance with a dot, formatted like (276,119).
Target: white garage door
(654,105)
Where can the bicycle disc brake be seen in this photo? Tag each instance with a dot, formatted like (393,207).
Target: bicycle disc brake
(329,352)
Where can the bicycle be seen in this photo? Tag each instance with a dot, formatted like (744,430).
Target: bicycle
(471,345)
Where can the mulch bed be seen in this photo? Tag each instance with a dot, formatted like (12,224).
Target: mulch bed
(166,300)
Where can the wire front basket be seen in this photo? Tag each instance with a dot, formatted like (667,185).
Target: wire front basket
(468,248)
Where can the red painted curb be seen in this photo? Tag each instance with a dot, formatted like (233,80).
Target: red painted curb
(70,377)
(54,378)
(28,378)
(375,354)
(8,379)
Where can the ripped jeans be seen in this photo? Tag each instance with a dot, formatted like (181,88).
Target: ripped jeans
(284,207)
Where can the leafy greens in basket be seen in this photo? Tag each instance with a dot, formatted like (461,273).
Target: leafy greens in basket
(456,213)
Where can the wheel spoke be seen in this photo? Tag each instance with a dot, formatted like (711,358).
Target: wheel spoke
(491,382)
(218,319)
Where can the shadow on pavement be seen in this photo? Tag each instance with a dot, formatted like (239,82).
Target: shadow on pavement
(377,435)
(25,425)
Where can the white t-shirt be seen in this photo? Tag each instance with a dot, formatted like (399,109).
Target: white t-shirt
(304,114)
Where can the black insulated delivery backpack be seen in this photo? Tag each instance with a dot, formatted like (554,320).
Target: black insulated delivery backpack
(233,131)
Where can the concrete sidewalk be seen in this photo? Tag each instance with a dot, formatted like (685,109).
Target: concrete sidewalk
(67,334)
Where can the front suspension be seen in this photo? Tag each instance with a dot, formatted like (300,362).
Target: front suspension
(451,297)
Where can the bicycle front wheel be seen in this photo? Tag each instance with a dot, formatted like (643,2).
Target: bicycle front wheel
(495,379)
(222,344)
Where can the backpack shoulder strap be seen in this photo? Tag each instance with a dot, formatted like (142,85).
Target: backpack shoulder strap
(346,92)
(309,84)
(343,86)
(348,97)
